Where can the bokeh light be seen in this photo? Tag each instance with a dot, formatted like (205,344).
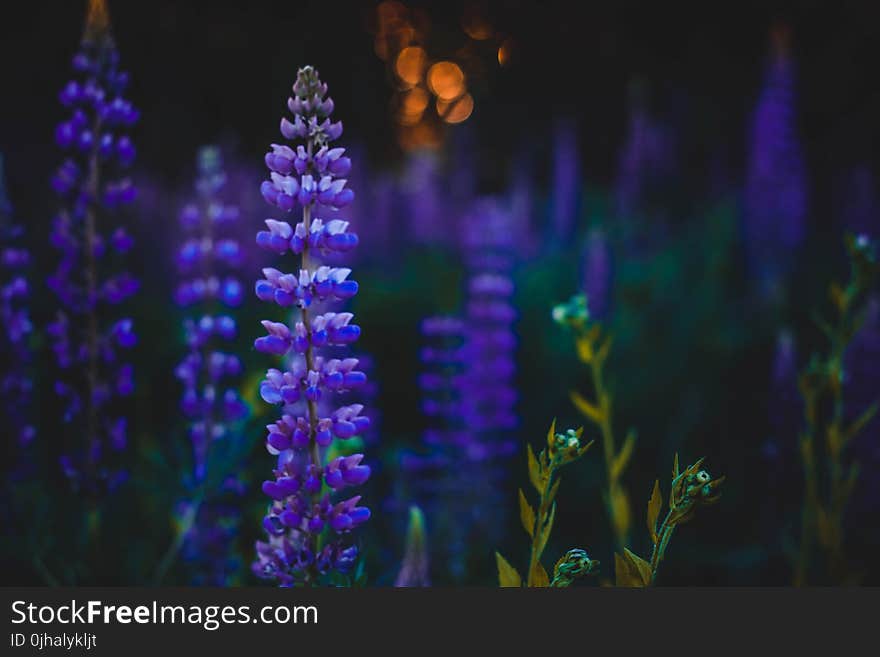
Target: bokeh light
(475,24)
(411,63)
(457,110)
(413,104)
(505,51)
(446,80)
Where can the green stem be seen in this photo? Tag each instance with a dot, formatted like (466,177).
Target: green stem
(186,524)
(659,550)
(603,400)
(540,519)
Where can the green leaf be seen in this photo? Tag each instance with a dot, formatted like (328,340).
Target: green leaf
(551,434)
(544,532)
(553,490)
(654,506)
(602,354)
(538,576)
(535,470)
(526,514)
(507,575)
(624,573)
(587,408)
(623,456)
(631,570)
(641,567)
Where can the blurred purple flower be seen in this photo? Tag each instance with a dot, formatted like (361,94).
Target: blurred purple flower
(16,383)
(566,188)
(93,186)
(775,209)
(596,273)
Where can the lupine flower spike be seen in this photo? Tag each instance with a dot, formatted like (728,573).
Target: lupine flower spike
(310,519)
(562,449)
(89,336)
(776,186)
(208,261)
(16,387)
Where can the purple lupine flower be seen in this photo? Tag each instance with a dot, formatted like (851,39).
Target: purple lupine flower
(90,339)
(488,394)
(208,261)
(440,472)
(309,490)
(596,272)
(445,437)
(522,200)
(424,198)
(16,385)
(566,180)
(208,543)
(489,397)
(775,206)
(645,159)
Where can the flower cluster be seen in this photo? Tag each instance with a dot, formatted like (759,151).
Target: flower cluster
(308,521)
(645,161)
(596,272)
(15,383)
(488,393)
(775,194)
(92,183)
(208,260)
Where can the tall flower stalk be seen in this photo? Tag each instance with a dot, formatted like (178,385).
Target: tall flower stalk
(776,187)
(593,348)
(309,522)
(440,472)
(829,475)
(209,260)
(89,335)
(16,387)
(486,388)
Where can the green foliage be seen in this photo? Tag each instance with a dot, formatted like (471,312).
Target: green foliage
(689,490)
(593,348)
(562,449)
(829,479)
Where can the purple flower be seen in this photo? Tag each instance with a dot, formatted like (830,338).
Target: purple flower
(93,186)
(488,394)
(645,160)
(596,273)
(422,189)
(775,209)
(566,180)
(309,493)
(209,374)
(16,387)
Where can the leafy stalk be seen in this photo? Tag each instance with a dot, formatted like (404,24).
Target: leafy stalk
(822,381)
(561,450)
(593,349)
